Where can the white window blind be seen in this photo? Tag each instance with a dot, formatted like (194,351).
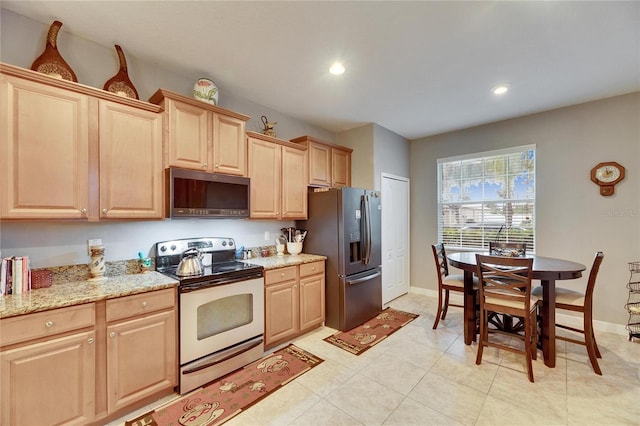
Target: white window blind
(488,196)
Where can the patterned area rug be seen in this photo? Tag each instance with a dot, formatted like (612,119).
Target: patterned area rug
(372,332)
(223,399)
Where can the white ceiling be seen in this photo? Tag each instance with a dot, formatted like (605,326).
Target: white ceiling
(416,68)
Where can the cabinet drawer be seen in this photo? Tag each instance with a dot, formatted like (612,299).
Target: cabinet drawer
(42,324)
(130,306)
(280,275)
(313,268)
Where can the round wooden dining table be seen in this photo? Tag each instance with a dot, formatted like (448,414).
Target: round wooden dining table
(545,269)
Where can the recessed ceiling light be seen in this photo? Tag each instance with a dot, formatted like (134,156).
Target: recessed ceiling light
(337,68)
(500,89)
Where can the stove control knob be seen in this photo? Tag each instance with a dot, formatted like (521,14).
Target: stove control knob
(173,247)
(230,243)
(163,248)
(224,243)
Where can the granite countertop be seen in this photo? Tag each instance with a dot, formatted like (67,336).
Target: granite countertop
(274,262)
(78,292)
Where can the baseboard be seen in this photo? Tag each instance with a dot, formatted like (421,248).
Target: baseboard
(570,320)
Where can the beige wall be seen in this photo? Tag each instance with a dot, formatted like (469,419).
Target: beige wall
(376,150)
(573,219)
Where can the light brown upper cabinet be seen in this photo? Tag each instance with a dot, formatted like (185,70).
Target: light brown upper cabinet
(69,151)
(329,164)
(278,172)
(201,136)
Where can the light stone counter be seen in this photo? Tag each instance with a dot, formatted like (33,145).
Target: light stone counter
(78,292)
(275,262)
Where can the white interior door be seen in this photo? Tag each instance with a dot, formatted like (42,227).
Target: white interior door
(395,236)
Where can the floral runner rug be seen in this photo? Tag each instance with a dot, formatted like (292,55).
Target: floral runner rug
(372,332)
(228,396)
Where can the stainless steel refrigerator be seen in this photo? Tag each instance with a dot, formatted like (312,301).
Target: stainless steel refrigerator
(344,225)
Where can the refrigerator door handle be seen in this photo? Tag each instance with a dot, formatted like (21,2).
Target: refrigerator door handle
(363,279)
(367,230)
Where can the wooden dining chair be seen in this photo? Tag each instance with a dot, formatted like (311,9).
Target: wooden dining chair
(446,283)
(508,249)
(582,302)
(505,287)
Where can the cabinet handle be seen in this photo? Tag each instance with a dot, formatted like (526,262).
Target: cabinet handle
(48,324)
(205,165)
(282,274)
(144,304)
(90,341)
(112,334)
(83,211)
(104,211)
(217,166)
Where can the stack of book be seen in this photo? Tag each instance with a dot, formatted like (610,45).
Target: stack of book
(15,275)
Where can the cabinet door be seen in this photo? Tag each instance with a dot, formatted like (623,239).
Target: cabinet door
(48,383)
(340,167)
(229,146)
(311,301)
(319,164)
(264,171)
(281,311)
(44,151)
(188,135)
(294,183)
(130,162)
(141,358)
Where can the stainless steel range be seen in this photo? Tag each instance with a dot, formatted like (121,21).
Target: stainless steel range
(221,310)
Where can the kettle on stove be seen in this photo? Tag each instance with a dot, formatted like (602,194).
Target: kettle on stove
(190,264)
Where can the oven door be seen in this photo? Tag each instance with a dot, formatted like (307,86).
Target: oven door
(218,317)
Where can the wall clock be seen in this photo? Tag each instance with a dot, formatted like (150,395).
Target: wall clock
(606,175)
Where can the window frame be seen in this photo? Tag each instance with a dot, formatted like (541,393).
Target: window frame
(525,231)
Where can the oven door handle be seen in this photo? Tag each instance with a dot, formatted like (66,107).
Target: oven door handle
(240,349)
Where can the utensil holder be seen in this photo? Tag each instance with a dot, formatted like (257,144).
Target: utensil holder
(294,248)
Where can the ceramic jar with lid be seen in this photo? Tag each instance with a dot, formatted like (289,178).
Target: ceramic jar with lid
(205,90)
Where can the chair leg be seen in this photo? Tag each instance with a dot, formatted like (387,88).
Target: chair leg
(446,304)
(527,343)
(534,338)
(595,345)
(590,342)
(482,339)
(439,312)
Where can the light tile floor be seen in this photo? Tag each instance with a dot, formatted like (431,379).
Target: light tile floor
(421,376)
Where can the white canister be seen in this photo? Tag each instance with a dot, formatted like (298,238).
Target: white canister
(205,90)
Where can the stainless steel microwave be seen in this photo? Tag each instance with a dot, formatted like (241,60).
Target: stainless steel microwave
(193,193)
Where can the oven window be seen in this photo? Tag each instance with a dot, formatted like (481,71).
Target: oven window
(224,314)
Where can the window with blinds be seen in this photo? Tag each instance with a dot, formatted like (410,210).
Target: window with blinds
(488,196)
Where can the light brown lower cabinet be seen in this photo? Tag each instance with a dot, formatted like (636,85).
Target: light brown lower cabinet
(85,363)
(141,347)
(47,367)
(294,301)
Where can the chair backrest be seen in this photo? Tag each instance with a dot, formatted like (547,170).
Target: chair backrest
(588,296)
(507,249)
(506,280)
(440,256)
